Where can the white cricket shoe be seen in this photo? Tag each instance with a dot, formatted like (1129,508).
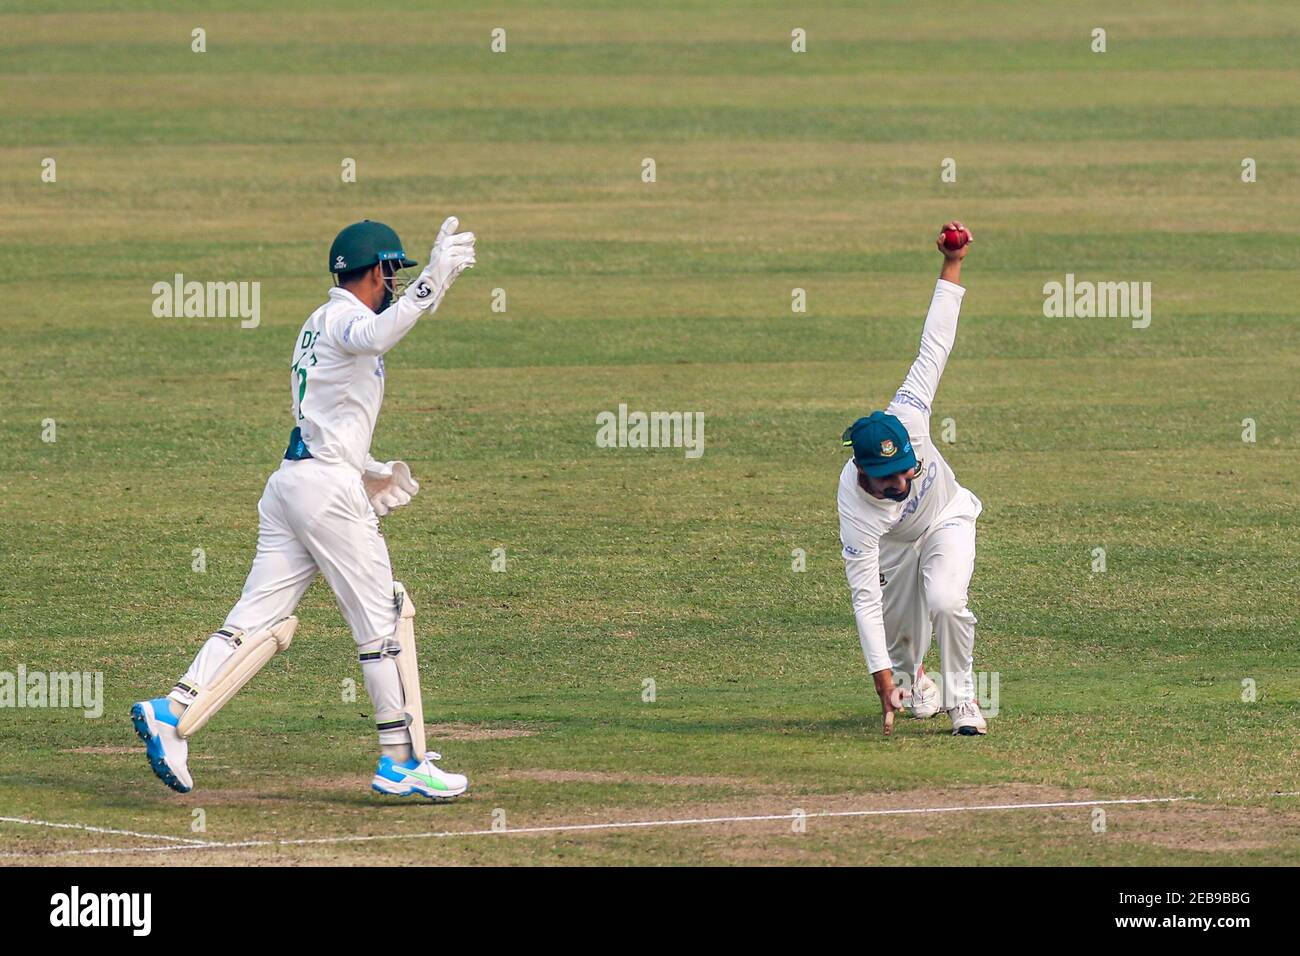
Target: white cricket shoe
(167,750)
(925,696)
(417,776)
(967,719)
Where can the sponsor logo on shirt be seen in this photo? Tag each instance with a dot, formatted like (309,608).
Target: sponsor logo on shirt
(930,474)
(907,398)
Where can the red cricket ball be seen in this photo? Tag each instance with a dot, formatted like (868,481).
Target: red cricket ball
(955,238)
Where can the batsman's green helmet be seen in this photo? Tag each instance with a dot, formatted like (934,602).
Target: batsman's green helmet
(365,243)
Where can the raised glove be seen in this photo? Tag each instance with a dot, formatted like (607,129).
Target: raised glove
(452,254)
(389,485)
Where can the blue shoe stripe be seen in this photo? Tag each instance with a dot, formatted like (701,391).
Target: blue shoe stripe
(386,769)
(162,711)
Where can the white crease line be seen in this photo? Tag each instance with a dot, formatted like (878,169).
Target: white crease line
(575,827)
(90,829)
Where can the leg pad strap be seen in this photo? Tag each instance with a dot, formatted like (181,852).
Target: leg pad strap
(251,654)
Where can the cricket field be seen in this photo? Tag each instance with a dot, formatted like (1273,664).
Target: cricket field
(640,656)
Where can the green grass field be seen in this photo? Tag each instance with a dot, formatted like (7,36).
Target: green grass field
(775,171)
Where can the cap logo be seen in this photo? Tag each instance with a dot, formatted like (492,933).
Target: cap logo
(887,448)
(339,262)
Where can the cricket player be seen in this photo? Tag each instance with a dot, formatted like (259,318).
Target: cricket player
(320,514)
(908,532)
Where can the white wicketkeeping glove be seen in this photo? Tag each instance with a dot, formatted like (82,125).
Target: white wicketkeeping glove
(389,485)
(452,254)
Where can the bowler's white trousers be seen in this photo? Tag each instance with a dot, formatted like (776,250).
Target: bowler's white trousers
(925,591)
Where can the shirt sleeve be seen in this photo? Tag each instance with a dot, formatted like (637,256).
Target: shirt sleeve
(915,396)
(862,565)
(364,333)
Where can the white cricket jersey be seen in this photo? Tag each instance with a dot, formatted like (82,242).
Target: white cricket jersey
(935,495)
(337,376)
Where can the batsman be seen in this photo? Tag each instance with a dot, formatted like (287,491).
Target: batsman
(908,531)
(319,513)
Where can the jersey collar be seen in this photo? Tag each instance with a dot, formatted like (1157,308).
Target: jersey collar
(340,294)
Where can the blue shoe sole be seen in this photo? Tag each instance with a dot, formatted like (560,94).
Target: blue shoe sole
(153,749)
(415,792)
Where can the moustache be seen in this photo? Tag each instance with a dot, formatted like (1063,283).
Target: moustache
(898,495)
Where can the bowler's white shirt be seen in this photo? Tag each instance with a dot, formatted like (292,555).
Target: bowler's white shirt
(935,495)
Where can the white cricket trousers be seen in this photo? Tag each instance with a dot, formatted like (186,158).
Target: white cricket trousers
(315,517)
(924,593)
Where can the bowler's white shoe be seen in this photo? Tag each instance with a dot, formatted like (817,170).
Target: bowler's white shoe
(417,776)
(167,750)
(967,719)
(925,696)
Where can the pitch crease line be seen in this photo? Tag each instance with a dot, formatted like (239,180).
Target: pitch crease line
(92,829)
(577,827)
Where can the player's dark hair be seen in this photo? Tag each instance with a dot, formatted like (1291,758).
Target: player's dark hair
(354,275)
